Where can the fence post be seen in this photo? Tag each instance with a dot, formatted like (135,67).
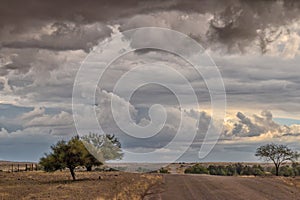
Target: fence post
(18,167)
(12,167)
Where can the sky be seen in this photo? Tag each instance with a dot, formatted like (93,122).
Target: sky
(254,44)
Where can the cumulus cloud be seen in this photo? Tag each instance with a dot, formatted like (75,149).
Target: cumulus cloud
(17,119)
(61,119)
(257,126)
(36,112)
(139,116)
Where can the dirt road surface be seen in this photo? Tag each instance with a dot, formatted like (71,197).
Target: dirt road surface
(200,187)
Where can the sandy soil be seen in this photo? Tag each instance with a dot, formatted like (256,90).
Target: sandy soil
(121,185)
(225,187)
(58,185)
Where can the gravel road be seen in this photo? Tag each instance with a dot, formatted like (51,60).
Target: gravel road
(199,187)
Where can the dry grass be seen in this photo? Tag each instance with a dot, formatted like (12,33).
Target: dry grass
(58,185)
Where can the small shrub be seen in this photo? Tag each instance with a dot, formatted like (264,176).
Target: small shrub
(164,171)
(286,171)
(196,169)
(257,170)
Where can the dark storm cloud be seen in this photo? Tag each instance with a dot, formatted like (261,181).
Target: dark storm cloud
(83,11)
(65,36)
(239,23)
(235,23)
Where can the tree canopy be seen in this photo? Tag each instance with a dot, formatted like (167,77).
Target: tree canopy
(103,147)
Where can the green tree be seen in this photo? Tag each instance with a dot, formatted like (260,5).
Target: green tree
(88,159)
(74,153)
(103,147)
(64,154)
(277,154)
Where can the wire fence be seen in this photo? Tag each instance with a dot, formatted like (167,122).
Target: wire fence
(18,167)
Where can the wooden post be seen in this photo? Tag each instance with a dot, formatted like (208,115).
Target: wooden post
(18,167)
(36,167)
(12,167)
(31,166)
(26,167)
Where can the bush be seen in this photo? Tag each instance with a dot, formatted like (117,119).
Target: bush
(217,170)
(240,169)
(247,170)
(257,170)
(229,170)
(164,171)
(296,169)
(196,169)
(286,171)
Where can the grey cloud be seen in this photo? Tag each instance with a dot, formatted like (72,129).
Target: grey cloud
(20,61)
(36,112)
(241,23)
(62,119)
(76,10)
(64,36)
(235,23)
(246,127)
(292,134)
(47,77)
(108,124)
(16,119)
(1,85)
(261,81)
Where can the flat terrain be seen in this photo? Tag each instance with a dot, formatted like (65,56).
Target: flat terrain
(58,185)
(131,186)
(226,187)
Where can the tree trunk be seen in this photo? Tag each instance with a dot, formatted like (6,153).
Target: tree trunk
(72,173)
(277,170)
(88,168)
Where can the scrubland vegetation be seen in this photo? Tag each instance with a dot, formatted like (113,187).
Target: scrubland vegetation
(291,169)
